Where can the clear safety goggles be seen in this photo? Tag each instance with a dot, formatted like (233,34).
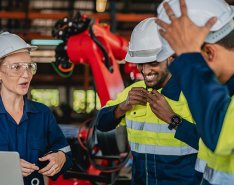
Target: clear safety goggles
(18,69)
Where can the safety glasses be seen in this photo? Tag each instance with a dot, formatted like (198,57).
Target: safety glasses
(18,69)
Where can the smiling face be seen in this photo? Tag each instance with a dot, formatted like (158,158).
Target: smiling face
(13,81)
(155,74)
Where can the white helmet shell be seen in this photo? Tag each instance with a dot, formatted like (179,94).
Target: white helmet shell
(200,11)
(166,51)
(11,43)
(145,42)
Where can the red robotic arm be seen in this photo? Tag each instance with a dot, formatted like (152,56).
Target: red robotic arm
(82,48)
(86,41)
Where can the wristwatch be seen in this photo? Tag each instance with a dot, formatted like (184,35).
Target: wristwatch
(175,121)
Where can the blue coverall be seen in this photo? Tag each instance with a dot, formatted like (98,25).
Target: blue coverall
(35,135)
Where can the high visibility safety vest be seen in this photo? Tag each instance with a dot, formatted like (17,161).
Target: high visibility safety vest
(219,168)
(147,133)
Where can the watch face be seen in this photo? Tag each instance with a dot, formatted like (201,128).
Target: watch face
(176,119)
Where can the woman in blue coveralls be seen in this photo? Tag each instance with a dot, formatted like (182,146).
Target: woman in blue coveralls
(26,126)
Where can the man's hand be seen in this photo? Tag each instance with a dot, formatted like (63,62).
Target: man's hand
(182,34)
(160,106)
(136,96)
(56,162)
(27,167)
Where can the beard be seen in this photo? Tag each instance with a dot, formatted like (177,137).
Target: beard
(159,82)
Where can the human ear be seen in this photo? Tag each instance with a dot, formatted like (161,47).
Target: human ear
(209,52)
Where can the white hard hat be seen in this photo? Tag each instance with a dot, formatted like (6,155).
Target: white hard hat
(11,43)
(145,43)
(200,11)
(166,51)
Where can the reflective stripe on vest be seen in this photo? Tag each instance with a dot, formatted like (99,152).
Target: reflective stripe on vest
(143,143)
(162,150)
(152,127)
(218,177)
(147,133)
(200,165)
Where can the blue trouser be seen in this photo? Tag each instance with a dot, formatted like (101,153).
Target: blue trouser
(149,169)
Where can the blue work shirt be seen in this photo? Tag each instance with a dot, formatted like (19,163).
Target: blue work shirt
(35,135)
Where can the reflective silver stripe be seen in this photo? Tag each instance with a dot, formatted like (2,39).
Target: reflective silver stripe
(152,127)
(200,165)
(65,149)
(162,150)
(144,53)
(217,177)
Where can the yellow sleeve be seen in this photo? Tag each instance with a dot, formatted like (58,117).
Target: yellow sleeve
(225,144)
(120,98)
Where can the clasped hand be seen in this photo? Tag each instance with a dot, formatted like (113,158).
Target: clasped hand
(56,162)
(157,102)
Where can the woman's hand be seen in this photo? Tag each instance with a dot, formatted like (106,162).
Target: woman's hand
(56,162)
(27,167)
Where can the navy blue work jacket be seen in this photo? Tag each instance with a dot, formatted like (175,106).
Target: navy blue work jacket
(35,135)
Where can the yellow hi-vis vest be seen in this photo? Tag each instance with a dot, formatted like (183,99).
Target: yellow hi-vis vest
(147,133)
(220,164)
(202,157)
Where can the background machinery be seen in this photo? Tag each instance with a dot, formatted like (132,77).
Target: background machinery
(98,156)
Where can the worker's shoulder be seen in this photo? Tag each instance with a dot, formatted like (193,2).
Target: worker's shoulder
(37,107)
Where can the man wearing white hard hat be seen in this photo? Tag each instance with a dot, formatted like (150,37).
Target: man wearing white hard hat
(28,127)
(156,115)
(205,68)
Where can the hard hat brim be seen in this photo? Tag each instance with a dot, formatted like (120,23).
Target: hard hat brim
(28,48)
(140,60)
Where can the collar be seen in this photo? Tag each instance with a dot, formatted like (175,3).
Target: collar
(2,108)
(171,90)
(230,85)
(28,106)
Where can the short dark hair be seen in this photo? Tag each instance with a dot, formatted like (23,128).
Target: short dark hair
(228,41)
(1,60)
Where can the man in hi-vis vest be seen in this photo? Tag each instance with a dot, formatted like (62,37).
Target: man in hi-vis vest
(156,115)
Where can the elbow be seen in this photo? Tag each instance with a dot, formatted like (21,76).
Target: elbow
(100,127)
